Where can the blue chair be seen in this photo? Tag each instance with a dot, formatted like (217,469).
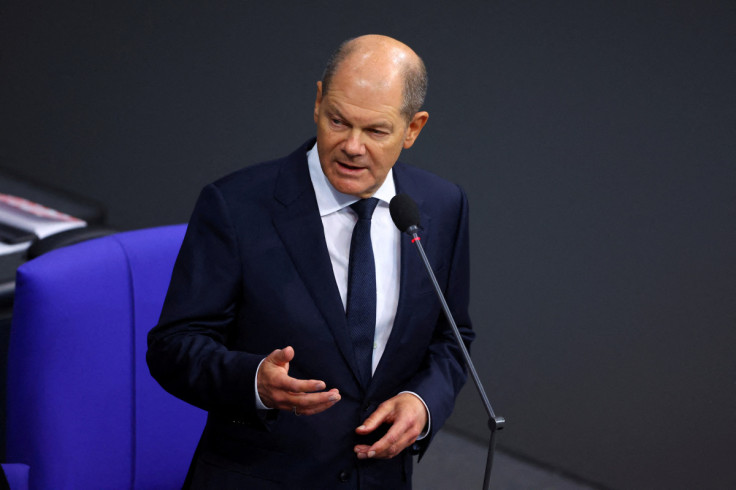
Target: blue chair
(16,475)
(83,410)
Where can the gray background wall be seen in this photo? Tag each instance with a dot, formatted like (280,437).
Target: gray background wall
(595,140)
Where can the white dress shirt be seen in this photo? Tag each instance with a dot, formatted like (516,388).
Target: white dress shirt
(338,220)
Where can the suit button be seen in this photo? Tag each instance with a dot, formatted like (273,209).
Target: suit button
(344,476)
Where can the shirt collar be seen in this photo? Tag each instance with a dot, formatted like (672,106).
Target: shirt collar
(329,199)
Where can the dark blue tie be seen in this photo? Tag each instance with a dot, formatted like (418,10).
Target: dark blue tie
(361,304)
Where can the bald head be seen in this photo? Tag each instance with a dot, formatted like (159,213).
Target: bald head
(385,58)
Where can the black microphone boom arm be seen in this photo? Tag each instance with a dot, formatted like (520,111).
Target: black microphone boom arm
(494,423)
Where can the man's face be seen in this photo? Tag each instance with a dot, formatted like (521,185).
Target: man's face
(361,131)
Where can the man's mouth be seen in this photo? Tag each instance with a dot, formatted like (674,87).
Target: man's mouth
(347,166)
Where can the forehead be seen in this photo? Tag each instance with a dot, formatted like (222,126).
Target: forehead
(364,93)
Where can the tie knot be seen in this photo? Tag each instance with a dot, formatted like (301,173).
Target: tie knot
(365,207)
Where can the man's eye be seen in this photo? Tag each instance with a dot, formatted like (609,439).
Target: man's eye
(378,132)
(336,122)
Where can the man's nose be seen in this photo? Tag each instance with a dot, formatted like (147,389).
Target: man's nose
(354,144)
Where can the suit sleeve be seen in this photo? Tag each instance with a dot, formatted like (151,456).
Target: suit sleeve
(187,350)
(443,371)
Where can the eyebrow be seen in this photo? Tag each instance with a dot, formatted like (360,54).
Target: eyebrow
(332,110)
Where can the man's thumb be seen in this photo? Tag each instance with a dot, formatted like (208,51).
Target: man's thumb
(283,356)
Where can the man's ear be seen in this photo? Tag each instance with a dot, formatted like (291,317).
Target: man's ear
(415,127)
(317,101)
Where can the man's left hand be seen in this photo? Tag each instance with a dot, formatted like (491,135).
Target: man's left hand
(407,416)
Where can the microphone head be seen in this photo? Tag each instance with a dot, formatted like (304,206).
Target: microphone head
(404,212)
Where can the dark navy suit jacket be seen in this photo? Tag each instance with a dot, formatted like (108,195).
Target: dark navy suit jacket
(254,275)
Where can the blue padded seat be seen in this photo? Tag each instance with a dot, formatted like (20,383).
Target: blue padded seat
(83,410)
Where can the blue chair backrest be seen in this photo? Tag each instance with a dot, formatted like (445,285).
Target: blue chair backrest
(83,410)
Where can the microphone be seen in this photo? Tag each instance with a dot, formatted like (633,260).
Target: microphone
(405,215)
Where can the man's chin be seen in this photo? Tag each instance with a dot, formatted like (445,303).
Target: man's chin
(352,187)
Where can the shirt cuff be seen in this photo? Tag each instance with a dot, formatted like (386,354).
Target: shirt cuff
(259,403)
(427,428)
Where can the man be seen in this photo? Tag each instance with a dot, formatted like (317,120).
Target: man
(268,313)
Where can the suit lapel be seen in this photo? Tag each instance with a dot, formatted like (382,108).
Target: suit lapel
(299,225)
(412,276)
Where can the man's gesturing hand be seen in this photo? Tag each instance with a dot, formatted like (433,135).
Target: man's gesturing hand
(407,416)
(278,390)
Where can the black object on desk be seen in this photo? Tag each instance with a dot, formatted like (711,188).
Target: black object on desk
(91,212)
(12,235)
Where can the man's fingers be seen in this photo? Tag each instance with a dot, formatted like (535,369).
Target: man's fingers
(375,419)
(407,416)
(280,391)
(382,447)
(281,356)
(297,386)
(392,443)
(276,369)
(306,403)
(310,404)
